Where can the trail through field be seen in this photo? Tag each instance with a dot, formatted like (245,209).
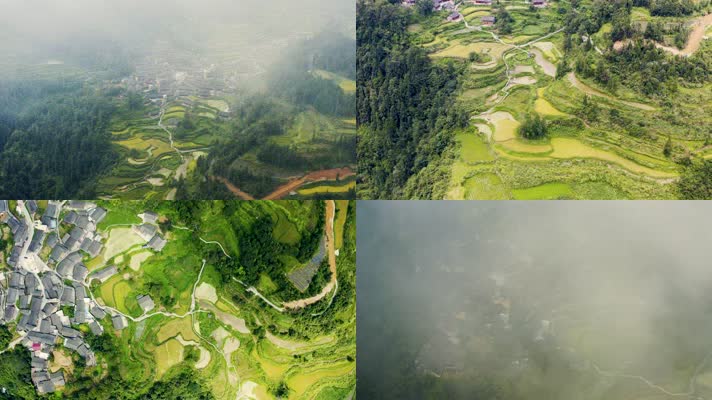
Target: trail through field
(297,304)
(589,90)
(170,134)
(691,386)
(697,35)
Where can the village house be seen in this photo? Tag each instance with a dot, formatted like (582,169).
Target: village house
(146,231)
(454,17)
(119,322)
(487,20)
(149,217)
(156,243)
(104,274)
(146,303)
(539,3)
(482,2)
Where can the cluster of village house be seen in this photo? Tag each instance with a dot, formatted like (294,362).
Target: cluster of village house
(487,20)
(51,297)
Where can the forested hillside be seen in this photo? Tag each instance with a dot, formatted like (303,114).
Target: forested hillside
(53,139)
(405,107)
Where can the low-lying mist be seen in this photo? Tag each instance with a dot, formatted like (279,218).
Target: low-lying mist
(242,36)
(537,300)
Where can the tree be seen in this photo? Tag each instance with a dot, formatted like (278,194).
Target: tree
(534,127)
(425,7)
(696,181)
(667,149)
(589,109)
(504,21)
(134,101)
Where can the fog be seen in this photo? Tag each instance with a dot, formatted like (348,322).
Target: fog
(535,300)
(241,37)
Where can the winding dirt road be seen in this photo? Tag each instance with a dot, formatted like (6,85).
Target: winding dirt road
(589,90)
(234,189)
(325,174)
(284,190)
(297,304)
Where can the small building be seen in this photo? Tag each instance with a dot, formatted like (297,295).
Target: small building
(149,217)
(487,20)
(97,215)
(119,322)
(156,243)
(146,231)
(454,17)
(482,2)
(146,303)
(96,328)
(57,379)
(79,205)
(31,206)
(539,3)
(97,312)
(71,218)
(104,274)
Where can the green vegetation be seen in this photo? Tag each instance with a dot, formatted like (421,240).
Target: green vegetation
(696,181)
(46,121)
(235,342)
(15,374)
(581,100)
(406,125)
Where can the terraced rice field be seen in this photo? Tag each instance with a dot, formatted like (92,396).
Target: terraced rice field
(494,162)
(328,189)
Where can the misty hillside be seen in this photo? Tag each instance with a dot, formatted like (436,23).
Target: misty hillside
(536,301)
(157,99)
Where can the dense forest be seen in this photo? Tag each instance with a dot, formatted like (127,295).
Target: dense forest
(404,106)
(40,124)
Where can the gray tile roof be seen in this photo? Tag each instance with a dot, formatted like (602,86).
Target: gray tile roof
(98,214)
(97,312)
(150,217)
(71,217)
(68,296)
(157,243)
(104,274)
(45,338)
(37,239)
(80,272)
(10,313)
(57,378)
(119,322)
(146,302)
(146,231)
(32,206)
(96,328)
(79,205)
(58,252)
